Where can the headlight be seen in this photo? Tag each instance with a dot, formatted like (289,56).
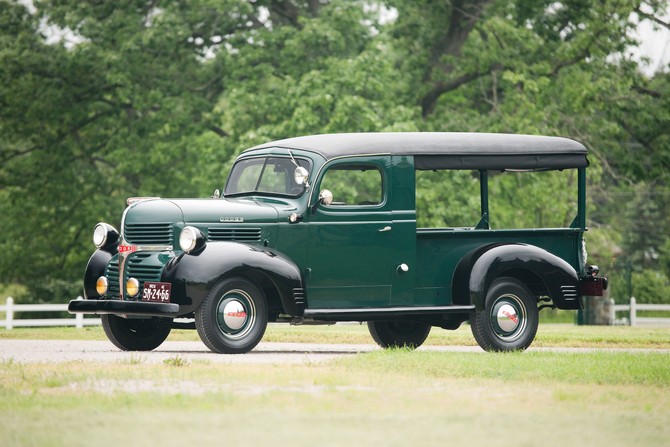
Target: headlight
(102,285)
(99,235)
(105,235)
(191,239)
(133,287)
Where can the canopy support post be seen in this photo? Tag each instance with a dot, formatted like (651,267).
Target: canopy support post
(484,196)
(580,218)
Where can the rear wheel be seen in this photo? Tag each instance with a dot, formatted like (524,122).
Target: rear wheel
(399,334)
(134,335)
(510,318)
(233,317)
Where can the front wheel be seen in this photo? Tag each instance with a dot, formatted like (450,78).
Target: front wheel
(510,318)
(399,334)
(233,317)
(132,334)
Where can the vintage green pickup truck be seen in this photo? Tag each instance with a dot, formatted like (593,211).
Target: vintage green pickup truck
(279,246)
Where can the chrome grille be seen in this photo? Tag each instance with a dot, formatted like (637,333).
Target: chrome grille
(148,234)
(142,272)
(112,274)
(249,235)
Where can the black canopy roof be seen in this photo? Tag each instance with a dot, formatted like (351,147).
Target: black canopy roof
(437,150)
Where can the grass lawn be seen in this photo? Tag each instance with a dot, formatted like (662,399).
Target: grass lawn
(394,398)
(389,398)
(548,335)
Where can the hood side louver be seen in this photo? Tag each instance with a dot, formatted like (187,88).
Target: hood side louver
(248,235)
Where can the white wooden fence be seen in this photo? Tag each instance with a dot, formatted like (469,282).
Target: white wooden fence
(634,320)
(9,322)
(79,321)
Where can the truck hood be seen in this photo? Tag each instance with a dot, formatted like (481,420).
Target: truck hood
(193,211)
(224,210)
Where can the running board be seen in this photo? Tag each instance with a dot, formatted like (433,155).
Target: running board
(377,313)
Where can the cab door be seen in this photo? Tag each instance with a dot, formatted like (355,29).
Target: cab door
(350,242)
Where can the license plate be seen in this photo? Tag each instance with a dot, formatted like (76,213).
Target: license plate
(592,288)
(157,291)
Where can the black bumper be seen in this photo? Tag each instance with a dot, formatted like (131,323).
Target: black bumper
(118,307)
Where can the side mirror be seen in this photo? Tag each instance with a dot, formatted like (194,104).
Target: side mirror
(325,198)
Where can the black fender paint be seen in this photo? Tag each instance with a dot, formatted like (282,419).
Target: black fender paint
(480,267)
(193,275)
(96,268)
(460,282)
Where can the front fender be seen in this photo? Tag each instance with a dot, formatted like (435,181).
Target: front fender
(193,275)
(559,277)
(95,269)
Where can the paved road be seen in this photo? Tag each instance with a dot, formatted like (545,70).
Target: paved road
(34,351)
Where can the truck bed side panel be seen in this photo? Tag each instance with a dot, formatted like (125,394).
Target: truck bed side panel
(440,250)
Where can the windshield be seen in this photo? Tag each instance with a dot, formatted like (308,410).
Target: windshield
(271,175)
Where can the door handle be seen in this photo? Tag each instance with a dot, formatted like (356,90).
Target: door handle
(385,229)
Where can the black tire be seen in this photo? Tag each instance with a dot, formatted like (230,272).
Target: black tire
(510,318)
(134,335)
(399,334)
(233,317)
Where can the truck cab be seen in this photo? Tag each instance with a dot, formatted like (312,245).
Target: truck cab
(323,228)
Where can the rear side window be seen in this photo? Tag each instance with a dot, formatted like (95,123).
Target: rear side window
(447,199)
(354,185)
(533,199)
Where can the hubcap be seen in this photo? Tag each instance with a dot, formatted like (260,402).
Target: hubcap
(235,314)
(508,317)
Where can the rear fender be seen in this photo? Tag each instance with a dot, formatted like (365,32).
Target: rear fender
(193,275)
(482,266)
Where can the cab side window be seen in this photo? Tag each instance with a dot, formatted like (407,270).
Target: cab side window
(354,185)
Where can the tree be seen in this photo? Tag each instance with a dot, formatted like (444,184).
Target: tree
(86,127)
(158,97)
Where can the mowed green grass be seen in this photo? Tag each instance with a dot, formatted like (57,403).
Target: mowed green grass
(548,335)
(394,398)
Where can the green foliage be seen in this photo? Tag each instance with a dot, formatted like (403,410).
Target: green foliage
(533,200)
(447,199)
(651,286)
(134,359)
(86,127)
(157,99)
(176,361)
(353,186)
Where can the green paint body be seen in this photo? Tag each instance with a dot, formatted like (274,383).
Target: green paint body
(346,260)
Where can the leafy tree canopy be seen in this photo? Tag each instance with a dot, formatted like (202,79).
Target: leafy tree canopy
(156,98)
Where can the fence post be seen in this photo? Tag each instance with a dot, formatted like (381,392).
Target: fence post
(9,315)
(612,312)
(79,318)
(633,318)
